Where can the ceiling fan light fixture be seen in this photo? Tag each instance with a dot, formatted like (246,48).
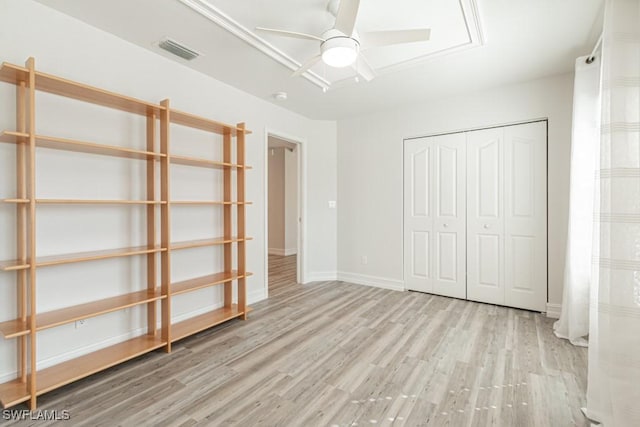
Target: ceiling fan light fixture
(339,52)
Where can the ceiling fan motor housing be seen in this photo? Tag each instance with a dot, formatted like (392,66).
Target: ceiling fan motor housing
(339,50)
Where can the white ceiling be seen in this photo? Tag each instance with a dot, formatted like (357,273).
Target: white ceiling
(475,44)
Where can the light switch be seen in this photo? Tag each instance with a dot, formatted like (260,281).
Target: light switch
(332,204)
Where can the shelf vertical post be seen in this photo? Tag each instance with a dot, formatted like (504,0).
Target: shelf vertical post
(151,223)
(240,184)
(21,229)
(165,214)
(31,231)
(228,247)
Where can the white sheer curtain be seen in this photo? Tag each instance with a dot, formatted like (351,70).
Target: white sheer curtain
(585,142)
(613,395)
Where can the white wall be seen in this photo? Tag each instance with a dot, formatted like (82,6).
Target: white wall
(320,225)
(290,201)
(370,171)
(69,48)
(277,197)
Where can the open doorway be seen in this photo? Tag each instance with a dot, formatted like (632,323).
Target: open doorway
(283,213)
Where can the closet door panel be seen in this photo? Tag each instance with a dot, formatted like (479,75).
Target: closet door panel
(525,216)
(449,249)
(485,218)
(418,215)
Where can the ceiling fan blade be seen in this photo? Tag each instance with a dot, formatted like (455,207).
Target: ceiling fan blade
(386,38)
(364,69)
(292,34)
(347,15)
(308,64)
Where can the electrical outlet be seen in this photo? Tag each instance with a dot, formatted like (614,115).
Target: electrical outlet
(81,323)
(364,260)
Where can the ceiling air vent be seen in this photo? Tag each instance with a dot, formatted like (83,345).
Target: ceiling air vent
(177,49)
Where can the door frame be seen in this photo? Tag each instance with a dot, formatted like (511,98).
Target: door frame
(464,130)
(301,158)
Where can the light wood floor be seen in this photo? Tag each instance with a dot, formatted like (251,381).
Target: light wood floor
(337,354)
(282,273)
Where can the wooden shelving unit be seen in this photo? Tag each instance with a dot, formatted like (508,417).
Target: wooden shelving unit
(225,278)
(161,333)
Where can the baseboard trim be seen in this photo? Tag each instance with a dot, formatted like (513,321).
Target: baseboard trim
(554,310)
(375,281)
(256,296)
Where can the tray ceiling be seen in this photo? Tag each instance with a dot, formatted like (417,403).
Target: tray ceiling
(455,26)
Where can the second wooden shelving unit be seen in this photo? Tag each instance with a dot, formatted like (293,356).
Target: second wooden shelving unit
(31,382)
(225,278)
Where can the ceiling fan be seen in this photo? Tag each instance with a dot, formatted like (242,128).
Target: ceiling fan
(341,45)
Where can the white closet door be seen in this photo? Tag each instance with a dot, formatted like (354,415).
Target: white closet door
(506,216)
(525,198)
(435,215)
(449,224)
(485,219)
(418,220)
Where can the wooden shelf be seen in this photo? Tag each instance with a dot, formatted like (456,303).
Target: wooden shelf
(86,202)
(205,282)
(14,328)
(97,202)
(199,202)
(206,242)
(84,311)
(13,73)
(51,84)
(202,163)
(89,364)
(207,202)
(13,137)
(77,146)
(192,121)
(204,321)
(96,255)
(13,393)
(13,265)
(56,143)
(51,319)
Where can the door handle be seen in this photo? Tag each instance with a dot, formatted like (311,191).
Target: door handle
(486,226)
(445,225)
